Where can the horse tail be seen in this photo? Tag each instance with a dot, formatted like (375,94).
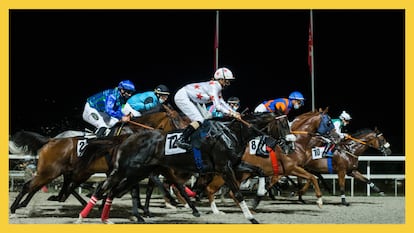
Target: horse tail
(26,142)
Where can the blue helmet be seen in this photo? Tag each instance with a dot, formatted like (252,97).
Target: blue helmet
(127,85)
(296,95)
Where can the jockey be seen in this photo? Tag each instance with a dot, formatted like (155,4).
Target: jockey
(146,102)
(192,94)
(233,102)
(103,110)
(339,123)
(295,100)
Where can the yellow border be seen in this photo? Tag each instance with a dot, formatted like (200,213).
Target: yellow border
(5,5)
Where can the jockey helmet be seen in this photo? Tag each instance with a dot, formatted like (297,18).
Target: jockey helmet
(345,116)
(162,90)
(296,95)
(127,85)
(223,73)
(233,100)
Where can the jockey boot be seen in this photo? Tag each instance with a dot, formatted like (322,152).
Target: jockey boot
(183,141)
(327,152)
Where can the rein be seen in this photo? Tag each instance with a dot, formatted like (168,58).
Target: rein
(139,124)
(357,140)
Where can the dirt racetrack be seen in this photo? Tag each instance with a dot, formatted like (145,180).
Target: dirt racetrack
(283,210)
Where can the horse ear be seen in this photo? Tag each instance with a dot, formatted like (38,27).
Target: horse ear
(326,110)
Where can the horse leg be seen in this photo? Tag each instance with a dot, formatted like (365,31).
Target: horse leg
(98,194)
(62,190)
(341,182)
(302,173)
(16,203)
(300,189)
(31,187)
(183,193)
(259,197)
(231,181)
(357,175)
(136,204)
(212,187)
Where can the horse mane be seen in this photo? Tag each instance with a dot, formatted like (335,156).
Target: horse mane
(360,132)
(299,120)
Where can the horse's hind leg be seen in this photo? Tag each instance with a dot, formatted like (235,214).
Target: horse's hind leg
(257,199)
(16,203)
(230,179)
(302,173)
(136,204)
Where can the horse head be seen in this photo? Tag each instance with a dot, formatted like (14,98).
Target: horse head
(364,138)
(318,122)
(381,143)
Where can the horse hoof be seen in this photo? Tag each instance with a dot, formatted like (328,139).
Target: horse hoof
(196,214)
(381,193)
(13,215)
(107,221)
(79,220)
(254,221)
(53,198)
(319,202)
(169,206)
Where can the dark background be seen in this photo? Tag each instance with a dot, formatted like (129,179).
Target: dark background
(59,58)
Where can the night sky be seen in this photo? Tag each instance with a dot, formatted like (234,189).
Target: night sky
(59,58)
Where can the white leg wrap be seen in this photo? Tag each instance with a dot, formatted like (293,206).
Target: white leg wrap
(246,211)
(261,189)
(214,208)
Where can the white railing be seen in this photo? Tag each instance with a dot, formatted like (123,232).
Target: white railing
(396,177)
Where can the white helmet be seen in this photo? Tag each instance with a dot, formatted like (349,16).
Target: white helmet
(223,73)
(345,116)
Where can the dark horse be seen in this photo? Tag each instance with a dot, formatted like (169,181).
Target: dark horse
(219,150)
(59,156)
(278,162)
(345,158)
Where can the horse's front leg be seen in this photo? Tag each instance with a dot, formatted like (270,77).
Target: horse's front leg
(341,182)
(231,181)
(97,195)
(183,193)
(357,175)
(63,190)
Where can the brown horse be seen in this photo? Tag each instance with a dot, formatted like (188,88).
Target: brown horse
(278,163)
(59,156)
(345,158)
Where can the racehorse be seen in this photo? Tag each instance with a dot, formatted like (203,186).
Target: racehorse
(345,158)
(278,163)
(218,148)
(59,156)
